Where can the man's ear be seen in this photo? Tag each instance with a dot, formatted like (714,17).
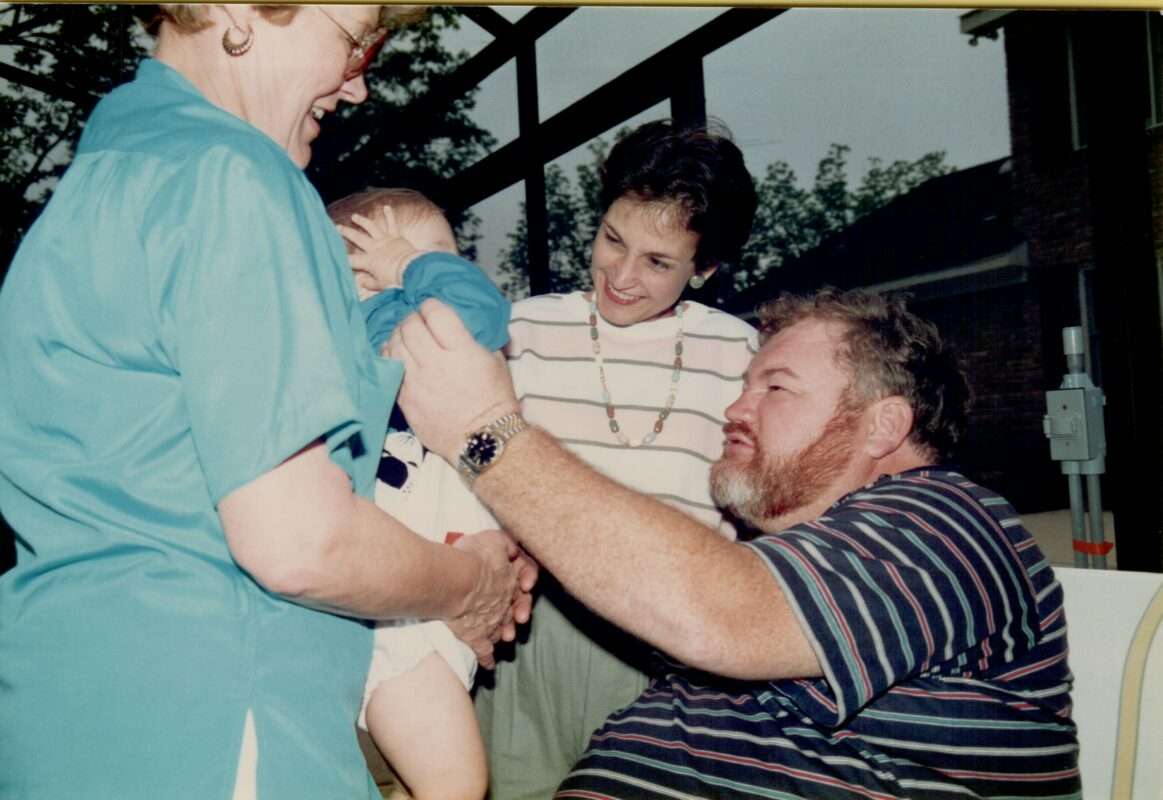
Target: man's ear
(707,272)
(890,423)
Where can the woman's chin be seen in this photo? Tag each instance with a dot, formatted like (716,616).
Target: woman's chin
(298,145)
(623,315)
(301,155)
(617,310)
(619,316)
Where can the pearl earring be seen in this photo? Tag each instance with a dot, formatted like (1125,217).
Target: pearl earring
(234,48)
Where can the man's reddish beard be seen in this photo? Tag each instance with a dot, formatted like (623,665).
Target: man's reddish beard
(769,487)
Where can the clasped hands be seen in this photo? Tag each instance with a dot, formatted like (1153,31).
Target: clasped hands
(453,386)
(501,599)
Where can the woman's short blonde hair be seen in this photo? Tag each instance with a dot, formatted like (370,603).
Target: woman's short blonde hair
(194,17)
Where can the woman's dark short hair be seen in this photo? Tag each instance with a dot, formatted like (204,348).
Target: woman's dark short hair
(697,169)
(887,350)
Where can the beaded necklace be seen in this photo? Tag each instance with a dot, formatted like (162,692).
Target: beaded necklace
(615,429)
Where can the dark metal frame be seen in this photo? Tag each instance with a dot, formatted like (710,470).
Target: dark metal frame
(674,73)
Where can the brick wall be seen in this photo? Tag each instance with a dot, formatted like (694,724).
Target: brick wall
(1051,193)
(1051,190)
(998,334)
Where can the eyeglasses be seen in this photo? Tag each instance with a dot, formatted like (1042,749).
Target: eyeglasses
(363,50)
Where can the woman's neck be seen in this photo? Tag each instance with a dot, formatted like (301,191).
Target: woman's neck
(186,53)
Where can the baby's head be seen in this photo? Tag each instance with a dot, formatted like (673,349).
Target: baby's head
(420,221)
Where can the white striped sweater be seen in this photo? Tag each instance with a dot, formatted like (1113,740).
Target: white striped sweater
(556,378)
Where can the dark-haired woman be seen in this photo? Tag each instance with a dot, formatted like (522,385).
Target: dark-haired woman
(634,379)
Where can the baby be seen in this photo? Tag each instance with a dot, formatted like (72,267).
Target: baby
(416,703)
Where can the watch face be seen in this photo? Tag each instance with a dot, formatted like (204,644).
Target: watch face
(482,448)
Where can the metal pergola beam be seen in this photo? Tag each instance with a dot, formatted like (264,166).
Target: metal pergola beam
(689,106)
(489,19)
(493,56)
(656,79)
(533,170)
(511,39)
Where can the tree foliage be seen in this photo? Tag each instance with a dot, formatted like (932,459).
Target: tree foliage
(572,216)
(789,220)
(61,58)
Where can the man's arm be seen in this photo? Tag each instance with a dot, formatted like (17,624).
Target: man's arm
(645,566)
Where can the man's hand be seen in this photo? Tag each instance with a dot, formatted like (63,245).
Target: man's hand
(528,571)
(452,385)
(381,253)
(489,611)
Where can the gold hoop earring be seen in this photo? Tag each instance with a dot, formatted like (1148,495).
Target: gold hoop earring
(697,281)
(235,49)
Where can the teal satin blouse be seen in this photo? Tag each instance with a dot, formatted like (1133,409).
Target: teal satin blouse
(180,320)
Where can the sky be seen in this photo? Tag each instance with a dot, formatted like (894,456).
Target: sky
(890,83)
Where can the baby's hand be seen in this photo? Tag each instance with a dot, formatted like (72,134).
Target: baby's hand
(382,253)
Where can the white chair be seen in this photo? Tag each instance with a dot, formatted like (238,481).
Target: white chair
(1115,628)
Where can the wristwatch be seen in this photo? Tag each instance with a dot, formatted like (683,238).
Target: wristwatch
(484,447)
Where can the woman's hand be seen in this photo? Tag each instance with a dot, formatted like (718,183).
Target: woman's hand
(488,615)
(381,251)
(528,570)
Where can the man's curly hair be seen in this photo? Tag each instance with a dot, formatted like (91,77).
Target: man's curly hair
(887,350)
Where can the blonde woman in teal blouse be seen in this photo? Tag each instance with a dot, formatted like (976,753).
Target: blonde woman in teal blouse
(189,400)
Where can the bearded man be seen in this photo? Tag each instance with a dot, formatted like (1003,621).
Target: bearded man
(890,631)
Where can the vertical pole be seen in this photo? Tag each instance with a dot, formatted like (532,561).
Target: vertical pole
(1126,278)
(1094,505)
(533,170)
(1077,519)
(688,96)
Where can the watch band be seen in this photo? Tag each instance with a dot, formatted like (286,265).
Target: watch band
(484,447)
